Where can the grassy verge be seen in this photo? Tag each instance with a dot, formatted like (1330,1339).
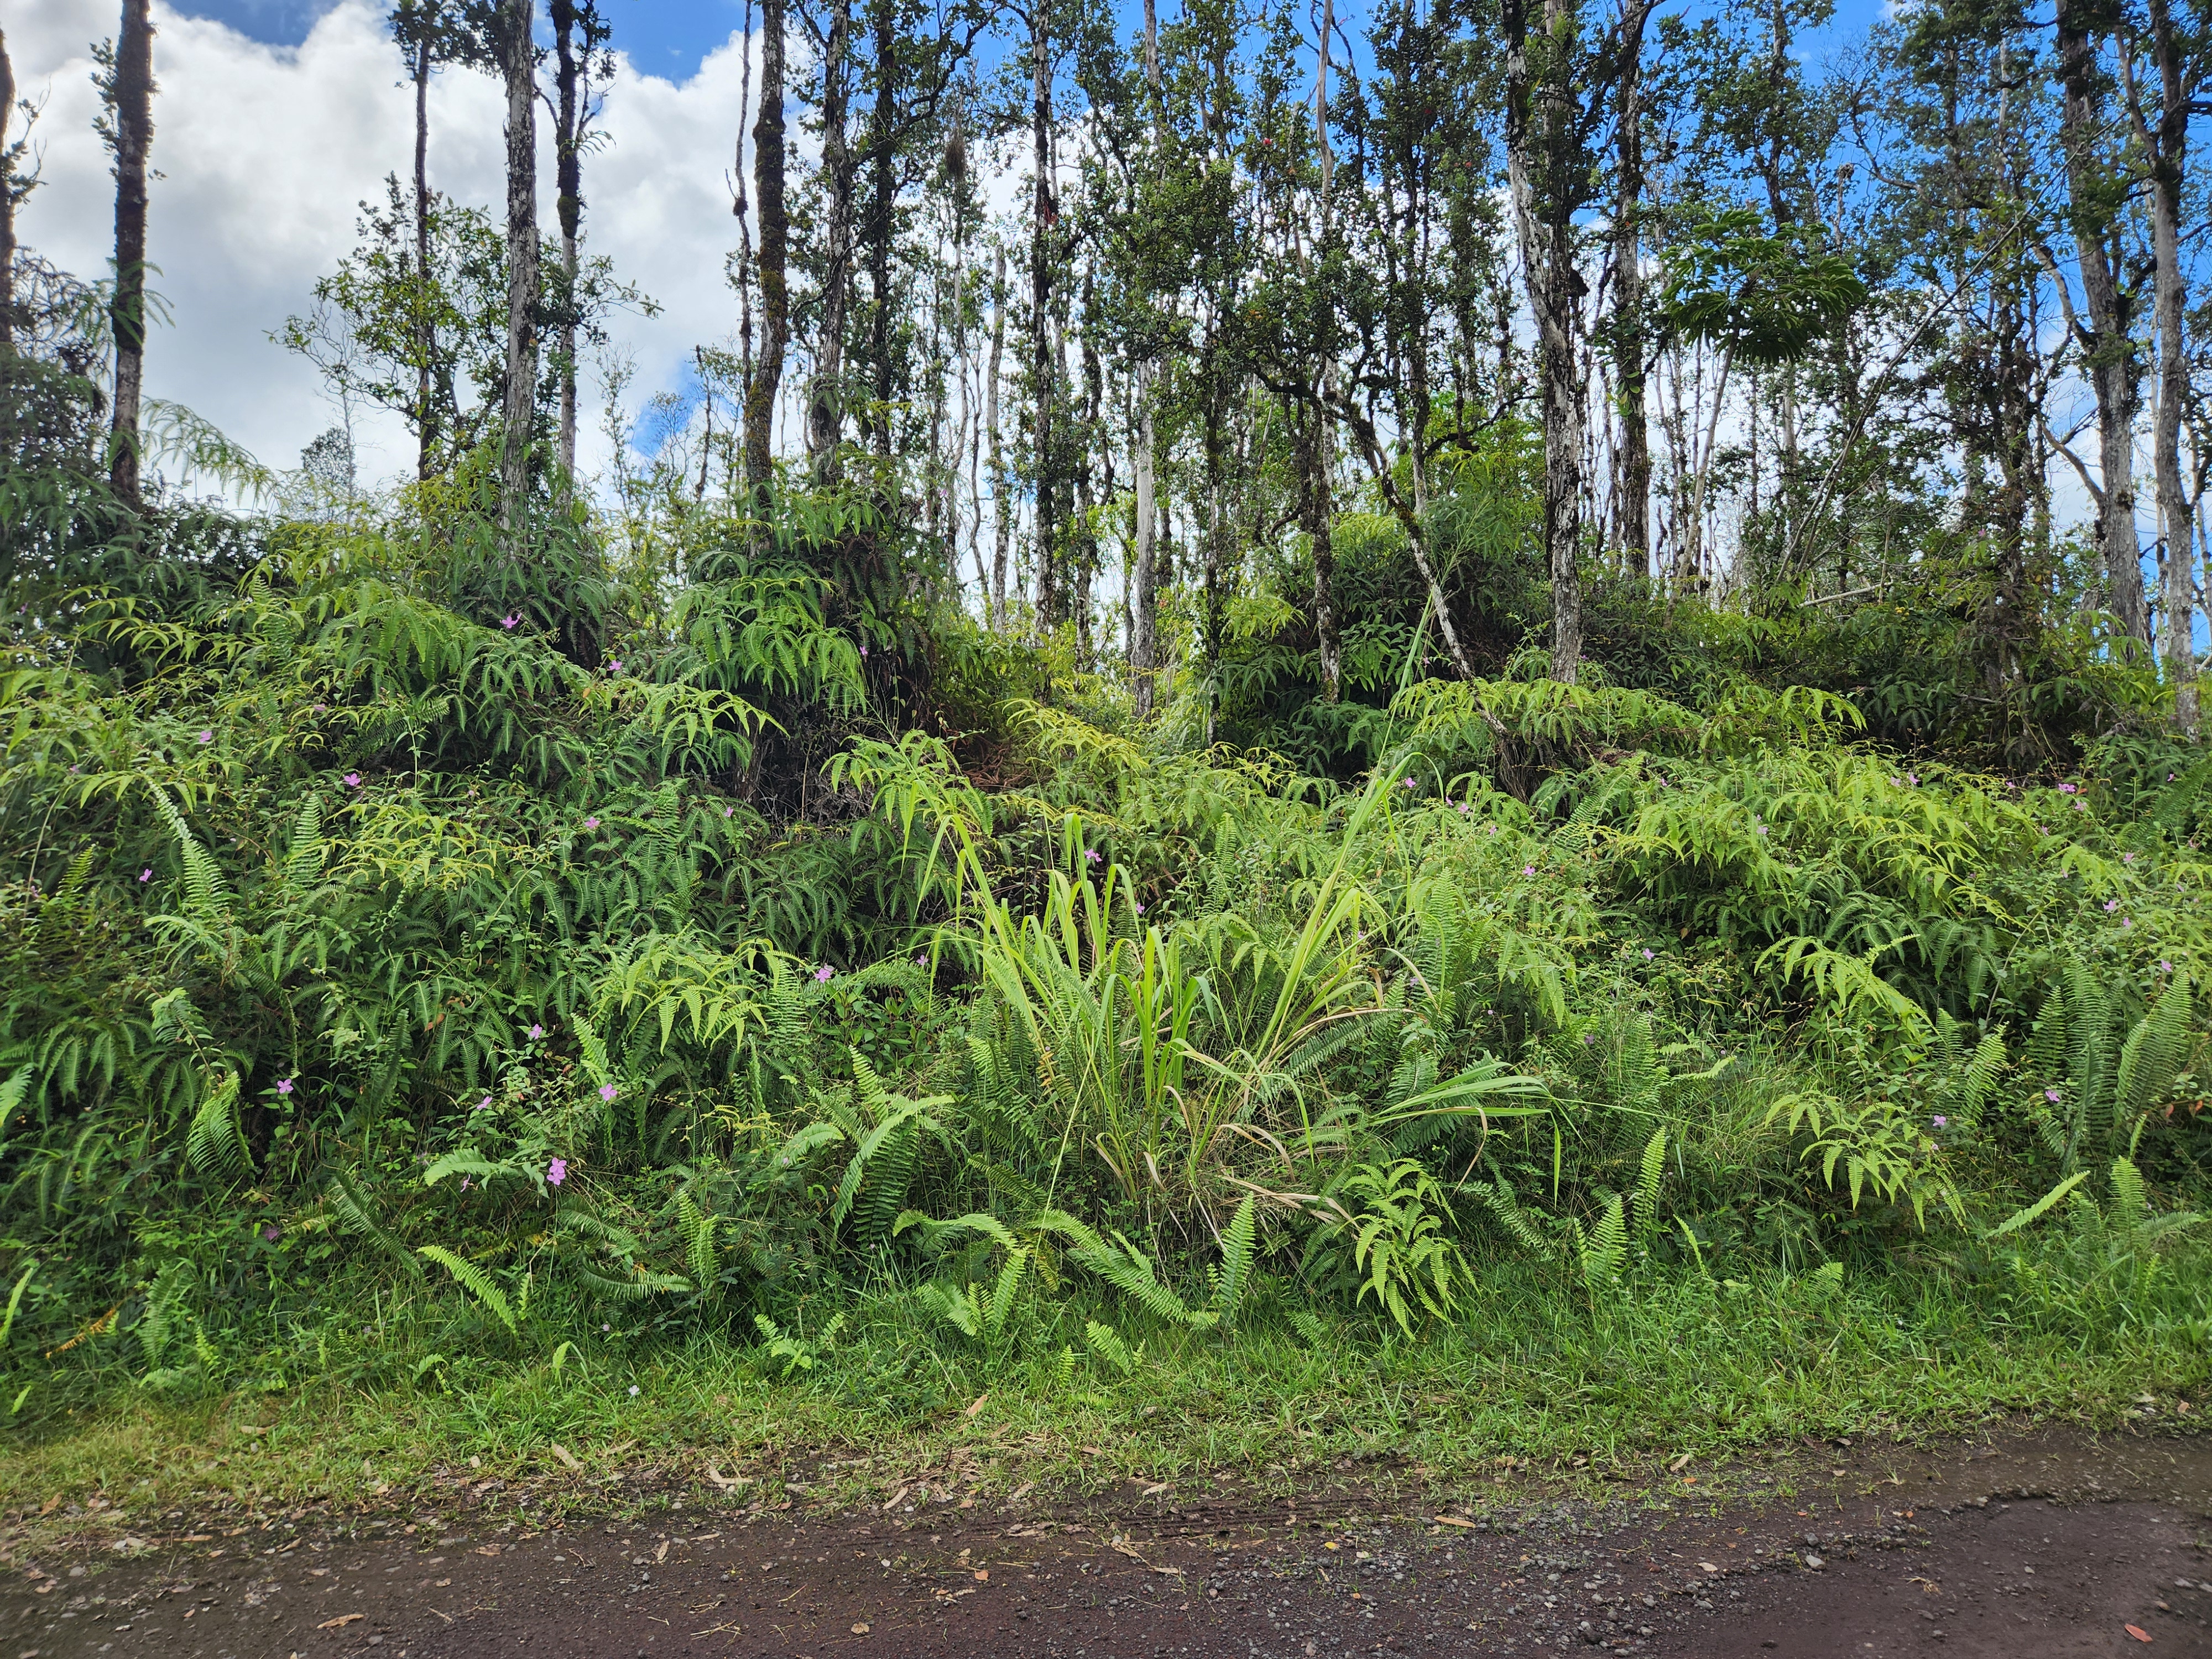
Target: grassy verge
(1530,1380)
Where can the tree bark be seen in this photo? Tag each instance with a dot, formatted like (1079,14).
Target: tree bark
(517,64)
(7,201)
(883,201)
(1536,116)
(825,411)
(1042,370)
(2106,343)
(426,405)
(1144,576)
(1002,521)
(774,244)
(1632,484)
(2166,141)
(1330,648)
(568,205)
(132,96)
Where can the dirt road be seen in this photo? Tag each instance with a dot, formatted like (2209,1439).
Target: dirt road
(2007,1548)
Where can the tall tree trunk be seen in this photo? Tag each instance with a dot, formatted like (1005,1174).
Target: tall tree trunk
(1632,482)
(883,201)
(1330,648)
(774,248)
(426,403)
(1002,520)
(131,94)
(2168,148)
(518,63)
(825,410)
(568,205)
(7,202)
(1537,112)
(2107,343)
(1143,578)
(1042,371)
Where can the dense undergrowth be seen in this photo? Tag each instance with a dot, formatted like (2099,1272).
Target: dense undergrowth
(543,994)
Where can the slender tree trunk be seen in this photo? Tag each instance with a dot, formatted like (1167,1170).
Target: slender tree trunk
(568,205)
(1002,520)
(2169,152)
(2106,343)
(7,202)
(1042,371)
(825,413)
(884,197)
(1144,622)
(1632,481)
(518,56)
(1536,114)
(1330,648)
(426,403)
(132,96)
(774,253)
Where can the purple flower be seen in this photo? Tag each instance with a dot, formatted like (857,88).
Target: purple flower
(1896,783)
(320,709)
(467,1181)
(725,811)
(2081,806)
(1528,869)
(1090,854)
(536,1032)
(591,824)
(2127,857)
(147,874)
(2127,922)
(1587,1038)
(353,779)
(1941,1121)
(484,1105)
(1761,829)
(2165,967)
(2051,1095)
(864,650)
(207,736)
(607,1092)
(508,622)
(2069,788)
(2111,905)
(824,973)
(1647,953)
(616,666)
(922,962)
(557,1171)
(1913,778)
(1462,809)
(283,1086)
(1140,910)
(1406,783)
(272,1233)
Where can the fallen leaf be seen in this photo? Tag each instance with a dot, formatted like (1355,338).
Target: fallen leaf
(982,1575)
(341,1621)
(896,1496)
(978,1406)
(1709,1566)
(1454,1521)
(1156,1489)
(488,1549)
(2137,1632)
(861,1629)
(1678,1464)
(568,1458)
(1020,1492)
(726,1482)
(661,1554)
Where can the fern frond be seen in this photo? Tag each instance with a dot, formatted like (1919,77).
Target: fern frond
(1238,1242)
(1647,1183)
(473,1280)
(215,1145)
(353,1215)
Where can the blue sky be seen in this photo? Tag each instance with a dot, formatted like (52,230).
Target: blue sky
(663,37)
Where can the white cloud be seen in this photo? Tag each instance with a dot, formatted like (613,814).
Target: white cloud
(266,153)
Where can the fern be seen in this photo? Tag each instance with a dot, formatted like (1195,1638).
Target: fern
(1123,1266)
(353,1214)
(1108,1346)
(698,1230)
(1646,1206)
(475,1281)
(215,1144)
(1234,1276)
(1603,1248)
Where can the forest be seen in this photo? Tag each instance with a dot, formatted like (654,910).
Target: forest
(1446,730)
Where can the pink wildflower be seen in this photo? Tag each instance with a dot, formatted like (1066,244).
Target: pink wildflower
(508,622)
(824,973)
(557,1171)
(147,874)
(353,779)
(536,1032)
(207,736)
(607,1092)
(283,1086)
(591,824)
